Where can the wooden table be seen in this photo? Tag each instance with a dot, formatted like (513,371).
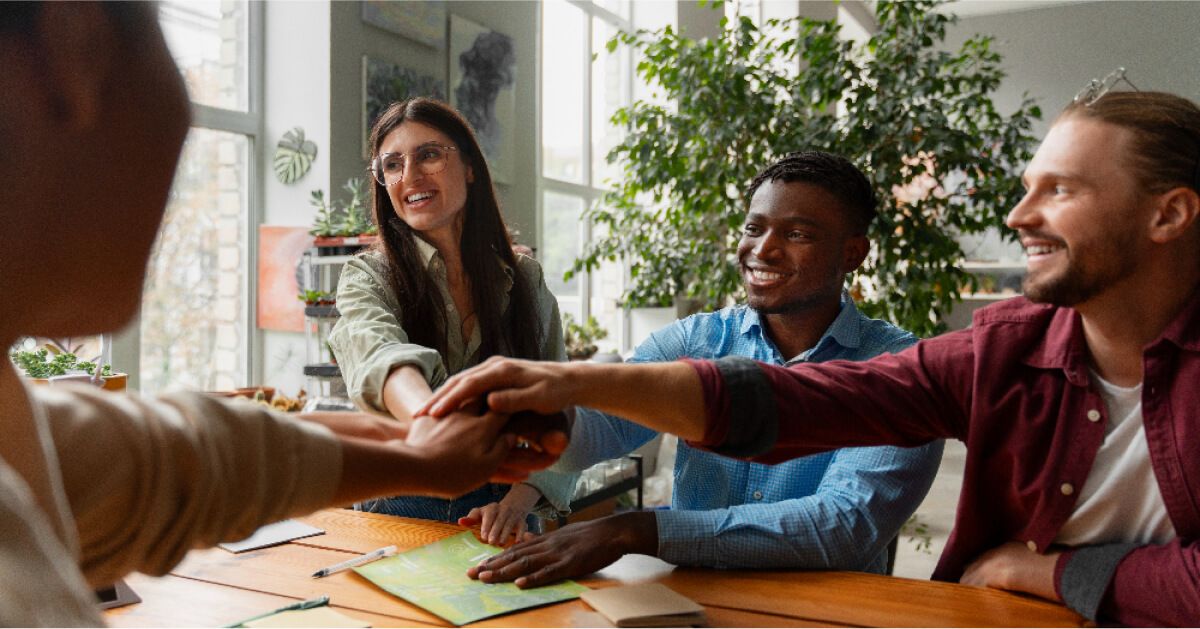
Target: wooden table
(214,587)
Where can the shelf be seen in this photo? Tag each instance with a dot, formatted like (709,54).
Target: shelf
(319,260)
(323,370)
(322,312)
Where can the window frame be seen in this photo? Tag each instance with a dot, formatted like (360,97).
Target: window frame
(590,191)
(127,345)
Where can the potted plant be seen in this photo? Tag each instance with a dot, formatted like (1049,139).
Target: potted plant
(581,338)
(316,298)
(42,364)
(889,104)
(341,230)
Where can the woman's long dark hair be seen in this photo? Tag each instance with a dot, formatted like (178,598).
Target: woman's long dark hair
(485,241)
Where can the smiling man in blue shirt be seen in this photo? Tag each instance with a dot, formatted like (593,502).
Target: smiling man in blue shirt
(805,230)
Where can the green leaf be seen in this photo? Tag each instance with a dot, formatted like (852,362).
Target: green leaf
(293,156)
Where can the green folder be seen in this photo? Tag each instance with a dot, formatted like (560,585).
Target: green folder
(434,578)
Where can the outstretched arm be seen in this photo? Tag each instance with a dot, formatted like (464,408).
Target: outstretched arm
(663,396)
(187,471)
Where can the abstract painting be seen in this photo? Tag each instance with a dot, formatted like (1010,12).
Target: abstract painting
(279,252)
(423,21)
(385,83)
(483,76)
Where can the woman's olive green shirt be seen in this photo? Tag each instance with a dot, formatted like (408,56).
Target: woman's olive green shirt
(369,340)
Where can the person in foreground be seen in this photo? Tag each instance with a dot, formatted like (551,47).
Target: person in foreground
(1078,403)
(805,229)
(441,291)
(95,485)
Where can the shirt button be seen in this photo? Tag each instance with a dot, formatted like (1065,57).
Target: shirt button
(1032,545)
(758,495)
(1093,415)
(1067,489)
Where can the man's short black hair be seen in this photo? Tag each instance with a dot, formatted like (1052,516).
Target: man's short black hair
(833,173)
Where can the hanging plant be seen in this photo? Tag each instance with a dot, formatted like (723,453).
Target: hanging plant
(294,156)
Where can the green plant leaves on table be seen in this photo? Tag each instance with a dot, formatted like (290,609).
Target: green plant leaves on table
(294,156)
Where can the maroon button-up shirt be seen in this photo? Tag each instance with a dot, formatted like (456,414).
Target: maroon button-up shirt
(1015,388)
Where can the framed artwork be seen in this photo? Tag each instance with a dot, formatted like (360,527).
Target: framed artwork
(423,21)
(483,76)
(279,252)
(385,83)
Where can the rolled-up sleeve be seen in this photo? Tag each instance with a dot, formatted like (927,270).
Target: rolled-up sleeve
(1139,585)
(369,341)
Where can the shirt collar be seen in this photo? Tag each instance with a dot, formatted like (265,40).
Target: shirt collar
(1062,342)
(1184,331)
(1063,346)
(427,253)
(846,329)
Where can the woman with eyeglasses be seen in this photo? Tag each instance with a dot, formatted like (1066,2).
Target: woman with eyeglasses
(441,292)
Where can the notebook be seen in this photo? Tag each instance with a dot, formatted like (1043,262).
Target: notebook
(646,605)
(273,534)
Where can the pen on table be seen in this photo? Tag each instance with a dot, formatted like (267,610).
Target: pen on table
(387,551)
(320,601)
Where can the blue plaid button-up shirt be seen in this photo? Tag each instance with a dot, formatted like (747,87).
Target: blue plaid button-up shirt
(835,510)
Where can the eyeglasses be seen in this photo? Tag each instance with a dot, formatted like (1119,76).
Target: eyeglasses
(1097,88)
(430,159)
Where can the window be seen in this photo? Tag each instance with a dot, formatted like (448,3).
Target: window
(582,85)
(195,329)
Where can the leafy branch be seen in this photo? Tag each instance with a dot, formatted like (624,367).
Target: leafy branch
(918,120)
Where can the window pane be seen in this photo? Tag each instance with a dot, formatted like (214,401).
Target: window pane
(563,83)
(610,91)
(194,311)
(607,284)
(209,41)
(561,216)
(619,7)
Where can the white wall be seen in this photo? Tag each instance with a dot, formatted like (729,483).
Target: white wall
(296,83)
(1052,52)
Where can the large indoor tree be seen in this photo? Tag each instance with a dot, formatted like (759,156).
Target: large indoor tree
(917,118)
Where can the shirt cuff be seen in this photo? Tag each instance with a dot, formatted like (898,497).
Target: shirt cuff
(747,423)
(688,538)
(557,489)
(1082,576)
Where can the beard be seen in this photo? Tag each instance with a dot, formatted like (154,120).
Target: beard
(789,307)
(1083,279)
(807,300)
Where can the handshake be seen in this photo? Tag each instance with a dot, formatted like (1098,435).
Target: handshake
(497,422)
(481,445)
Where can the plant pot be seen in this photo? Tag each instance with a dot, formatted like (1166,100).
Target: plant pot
(342,245)
(115,382)
(643,321)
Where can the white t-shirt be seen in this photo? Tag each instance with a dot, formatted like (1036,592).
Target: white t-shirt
(1120,501)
